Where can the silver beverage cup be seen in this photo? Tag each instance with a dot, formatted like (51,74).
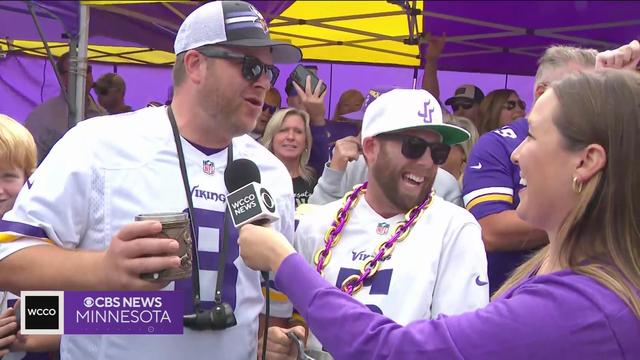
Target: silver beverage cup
(174,226)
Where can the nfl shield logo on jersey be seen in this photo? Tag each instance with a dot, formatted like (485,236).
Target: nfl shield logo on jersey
(208,167)
(382,228)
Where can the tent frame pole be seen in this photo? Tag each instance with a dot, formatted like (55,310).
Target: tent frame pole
(81,74)
(72,87)
(30,7)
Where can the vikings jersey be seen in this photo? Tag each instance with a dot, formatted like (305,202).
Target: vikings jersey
(440,268)
(491,184)
(106,171)
(491,180)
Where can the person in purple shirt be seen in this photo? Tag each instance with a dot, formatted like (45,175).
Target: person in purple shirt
(491,185)
(577,298)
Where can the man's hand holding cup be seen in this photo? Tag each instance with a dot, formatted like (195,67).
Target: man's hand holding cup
(141,255)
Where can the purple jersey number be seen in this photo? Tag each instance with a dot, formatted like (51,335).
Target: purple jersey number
(207,260)
(378,285)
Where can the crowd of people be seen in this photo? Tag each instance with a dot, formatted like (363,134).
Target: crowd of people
(407,225)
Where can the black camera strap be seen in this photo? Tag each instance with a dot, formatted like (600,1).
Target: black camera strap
(195,277)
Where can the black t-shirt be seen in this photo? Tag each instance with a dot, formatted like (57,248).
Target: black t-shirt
(302,189)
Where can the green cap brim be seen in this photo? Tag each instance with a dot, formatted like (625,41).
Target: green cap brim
(451,134)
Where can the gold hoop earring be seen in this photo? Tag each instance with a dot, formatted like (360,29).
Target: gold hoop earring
(577,185)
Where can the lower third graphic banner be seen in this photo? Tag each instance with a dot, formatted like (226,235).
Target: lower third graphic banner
(101,312)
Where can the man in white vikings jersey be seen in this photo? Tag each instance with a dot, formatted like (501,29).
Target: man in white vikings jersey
(72,226)
(395,246)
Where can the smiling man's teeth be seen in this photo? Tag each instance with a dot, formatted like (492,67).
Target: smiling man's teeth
(414,178)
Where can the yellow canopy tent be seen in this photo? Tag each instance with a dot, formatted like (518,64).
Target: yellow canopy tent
(349,31)
(335,31)
(105,53)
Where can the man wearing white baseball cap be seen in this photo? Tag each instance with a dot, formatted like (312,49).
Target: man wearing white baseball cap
(348,168)
(82,200)
(391,243)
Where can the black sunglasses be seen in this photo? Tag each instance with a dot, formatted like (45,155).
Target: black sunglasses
(511,104)
(464,105)
(270,108)
(414,147)
(252,67)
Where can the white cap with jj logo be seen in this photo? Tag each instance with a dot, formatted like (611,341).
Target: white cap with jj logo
(235,23)
(403,109)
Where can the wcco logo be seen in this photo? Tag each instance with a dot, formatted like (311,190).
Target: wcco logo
(41,312)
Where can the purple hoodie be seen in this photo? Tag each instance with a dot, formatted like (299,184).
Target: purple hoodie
(562,315)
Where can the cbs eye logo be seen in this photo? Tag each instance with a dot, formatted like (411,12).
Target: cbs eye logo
(267,200)
(41,312)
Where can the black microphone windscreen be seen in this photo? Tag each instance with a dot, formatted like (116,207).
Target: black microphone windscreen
(240,173)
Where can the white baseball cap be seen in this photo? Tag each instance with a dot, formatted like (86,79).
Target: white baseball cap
(235,23)
(403,109)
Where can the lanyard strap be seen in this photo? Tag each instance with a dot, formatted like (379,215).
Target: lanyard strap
(195,277)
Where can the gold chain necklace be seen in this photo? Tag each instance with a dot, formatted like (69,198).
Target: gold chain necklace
(354,283)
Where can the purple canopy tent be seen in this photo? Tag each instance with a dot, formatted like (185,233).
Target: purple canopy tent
(508,37)
(26,81)
(485,38)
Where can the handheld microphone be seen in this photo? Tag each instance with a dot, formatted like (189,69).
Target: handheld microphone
(248,201)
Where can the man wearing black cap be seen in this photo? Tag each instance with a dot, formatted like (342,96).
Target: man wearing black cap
(466,102)
(84,197)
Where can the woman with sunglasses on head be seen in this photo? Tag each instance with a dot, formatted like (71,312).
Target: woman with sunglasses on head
(577,298)
(392,243)
(499,108)
(288,137)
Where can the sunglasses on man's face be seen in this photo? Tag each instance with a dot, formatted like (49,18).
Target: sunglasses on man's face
(414,147)
(252,67)
(511,104)
(270,108)
(464,105)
